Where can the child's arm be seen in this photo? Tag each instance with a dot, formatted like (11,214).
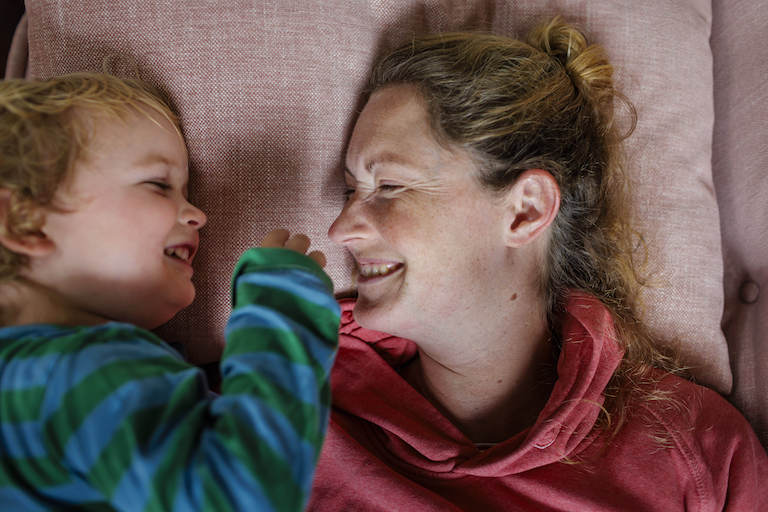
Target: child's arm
(281,342)
(261,438)
(129,424)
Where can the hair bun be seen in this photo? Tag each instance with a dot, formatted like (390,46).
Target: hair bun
(587,65)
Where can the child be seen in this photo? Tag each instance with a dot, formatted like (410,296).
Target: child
(97,239)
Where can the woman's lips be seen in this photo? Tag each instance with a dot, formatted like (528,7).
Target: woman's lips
(376,270)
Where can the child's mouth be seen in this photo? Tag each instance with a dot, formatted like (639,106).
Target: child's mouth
(182,253)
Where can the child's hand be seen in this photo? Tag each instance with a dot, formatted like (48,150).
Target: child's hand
(298,243)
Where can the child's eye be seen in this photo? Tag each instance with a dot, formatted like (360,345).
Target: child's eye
(160,185)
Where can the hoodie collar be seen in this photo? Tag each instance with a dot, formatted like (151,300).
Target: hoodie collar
(367,385)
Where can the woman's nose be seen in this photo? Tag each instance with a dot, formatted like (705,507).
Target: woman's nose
(349,225)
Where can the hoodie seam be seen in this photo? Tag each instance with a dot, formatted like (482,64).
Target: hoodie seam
(687,453)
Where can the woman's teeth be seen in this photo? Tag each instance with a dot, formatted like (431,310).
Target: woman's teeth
(377,270)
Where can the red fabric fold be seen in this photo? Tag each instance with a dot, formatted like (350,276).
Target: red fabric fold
(389,448)
(415,431)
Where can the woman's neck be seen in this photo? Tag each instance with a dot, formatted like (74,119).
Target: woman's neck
(497,394)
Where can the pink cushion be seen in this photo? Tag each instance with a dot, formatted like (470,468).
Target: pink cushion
(267,93)
(740,160)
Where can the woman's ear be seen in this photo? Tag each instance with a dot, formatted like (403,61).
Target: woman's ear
(532,204)
(31,244)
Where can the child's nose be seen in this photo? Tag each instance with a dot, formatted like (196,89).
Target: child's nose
(193,216)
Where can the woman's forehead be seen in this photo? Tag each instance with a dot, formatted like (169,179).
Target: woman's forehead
(393,129)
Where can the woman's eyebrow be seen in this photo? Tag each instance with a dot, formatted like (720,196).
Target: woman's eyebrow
(384,158)
(387,158)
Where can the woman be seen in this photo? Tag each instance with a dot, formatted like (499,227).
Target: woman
(487,216)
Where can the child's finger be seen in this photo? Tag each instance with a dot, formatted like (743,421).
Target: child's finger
(298,243)
(318,256)
(275,238)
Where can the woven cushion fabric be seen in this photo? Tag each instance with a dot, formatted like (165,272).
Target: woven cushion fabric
(268,90)
(739,163)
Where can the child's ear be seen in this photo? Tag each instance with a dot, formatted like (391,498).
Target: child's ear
(532,204)
(30,244)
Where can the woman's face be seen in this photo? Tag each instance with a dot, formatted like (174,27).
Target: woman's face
(426,237)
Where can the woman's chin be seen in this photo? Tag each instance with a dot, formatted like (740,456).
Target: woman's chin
(378,316)
(371,314)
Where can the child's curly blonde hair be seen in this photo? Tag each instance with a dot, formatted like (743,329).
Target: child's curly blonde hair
(43,134)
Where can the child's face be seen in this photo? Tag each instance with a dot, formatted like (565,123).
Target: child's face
(124,250)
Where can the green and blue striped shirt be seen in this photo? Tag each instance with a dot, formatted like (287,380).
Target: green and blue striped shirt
(109,417)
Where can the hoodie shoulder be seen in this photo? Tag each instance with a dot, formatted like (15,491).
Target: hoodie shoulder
(714,449)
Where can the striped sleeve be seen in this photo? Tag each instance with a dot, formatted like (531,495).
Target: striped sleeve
(110,415)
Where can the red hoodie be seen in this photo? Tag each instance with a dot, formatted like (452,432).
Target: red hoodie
(388,448)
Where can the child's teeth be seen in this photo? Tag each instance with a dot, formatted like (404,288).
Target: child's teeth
(179,252)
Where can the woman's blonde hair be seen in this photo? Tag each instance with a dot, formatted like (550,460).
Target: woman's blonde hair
(45,129)
(547,103)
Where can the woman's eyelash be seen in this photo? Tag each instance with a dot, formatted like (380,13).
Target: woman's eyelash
(381,187)
(388,187)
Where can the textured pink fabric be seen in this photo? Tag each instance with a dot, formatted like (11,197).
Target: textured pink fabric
(268,90)
(389,448)
(740,164)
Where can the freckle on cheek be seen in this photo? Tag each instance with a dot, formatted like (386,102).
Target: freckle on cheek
(513,297)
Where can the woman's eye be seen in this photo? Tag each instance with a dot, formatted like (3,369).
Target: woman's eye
(388,187)
(369,192)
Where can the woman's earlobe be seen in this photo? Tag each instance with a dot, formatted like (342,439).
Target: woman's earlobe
(533,203)
(33,244)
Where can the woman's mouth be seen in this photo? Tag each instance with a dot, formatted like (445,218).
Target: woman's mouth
(369,271)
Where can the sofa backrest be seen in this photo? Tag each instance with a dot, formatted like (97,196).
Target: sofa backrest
(268,91)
